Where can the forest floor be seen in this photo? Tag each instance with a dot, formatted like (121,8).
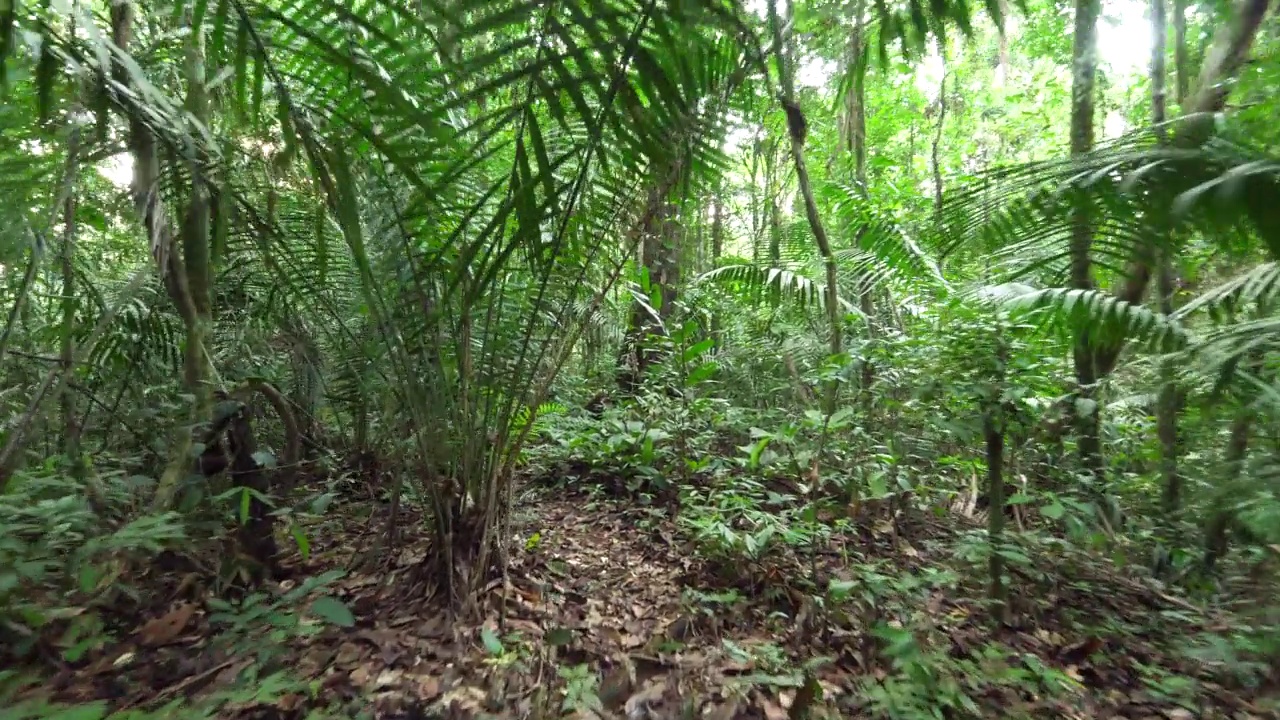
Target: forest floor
(610,612)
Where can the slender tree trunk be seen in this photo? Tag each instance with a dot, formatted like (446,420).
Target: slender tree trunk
(993,433)
(660,256)
(717,248)
(753,192)
(1180,62)
(937,137)
(796,126)
(854,122)
(1167,403)
(1084,63)
(195,242)
(773,216)
(854,127)
(70,424)
(717,228)
(1002,51)
(1221,516)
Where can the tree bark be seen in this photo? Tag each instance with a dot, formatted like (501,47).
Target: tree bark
(659,255)
(937,138)
(806,190)
(70,424)
(1002,51)
(854,130)
(1221,517)
(1168,401)
(993,433)
(717,248)
(1084,63)
(1180,61)
(773,217)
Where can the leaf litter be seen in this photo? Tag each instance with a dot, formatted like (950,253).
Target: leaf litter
(609,612)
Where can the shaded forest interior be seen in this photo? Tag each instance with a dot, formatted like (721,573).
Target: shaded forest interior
(645,359)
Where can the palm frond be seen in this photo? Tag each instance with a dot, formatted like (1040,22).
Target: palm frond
(1098,314)
(1138,196)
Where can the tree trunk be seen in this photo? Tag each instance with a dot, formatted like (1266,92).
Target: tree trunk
(1002,51)
(1167,403)
(854,128)
(70,424)
(1181,72)
(1221,516)
(993,433)
(717,248)
(937,138)
(853,125)
(660,257)
(796,126)
(1084,63)
(773,214)
(757,213)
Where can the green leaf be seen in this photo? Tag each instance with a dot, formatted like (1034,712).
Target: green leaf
(217,41)
(692,352)
(244,505)
(877,487)
(300,537)
(1054,511)
(333,610)
(90,711)
(840,589)
(559,637)
(490,639)
(89,576)
(702,372)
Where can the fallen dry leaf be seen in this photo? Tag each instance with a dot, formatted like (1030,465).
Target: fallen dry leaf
(772,711)
(428,686)
(388,677)
(361,676)
(166,628)
(466,698)
(638,705)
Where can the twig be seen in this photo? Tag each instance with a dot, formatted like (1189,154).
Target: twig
(193,679)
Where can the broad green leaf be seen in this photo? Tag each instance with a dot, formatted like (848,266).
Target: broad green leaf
(333,610)
(692,352)
(559,637)
(841,589)
(300,537)
(492,644)
(702,372)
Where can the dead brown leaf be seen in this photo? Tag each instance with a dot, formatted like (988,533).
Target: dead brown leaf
(428,686)
(166,628)
(772,710)
(362,676)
